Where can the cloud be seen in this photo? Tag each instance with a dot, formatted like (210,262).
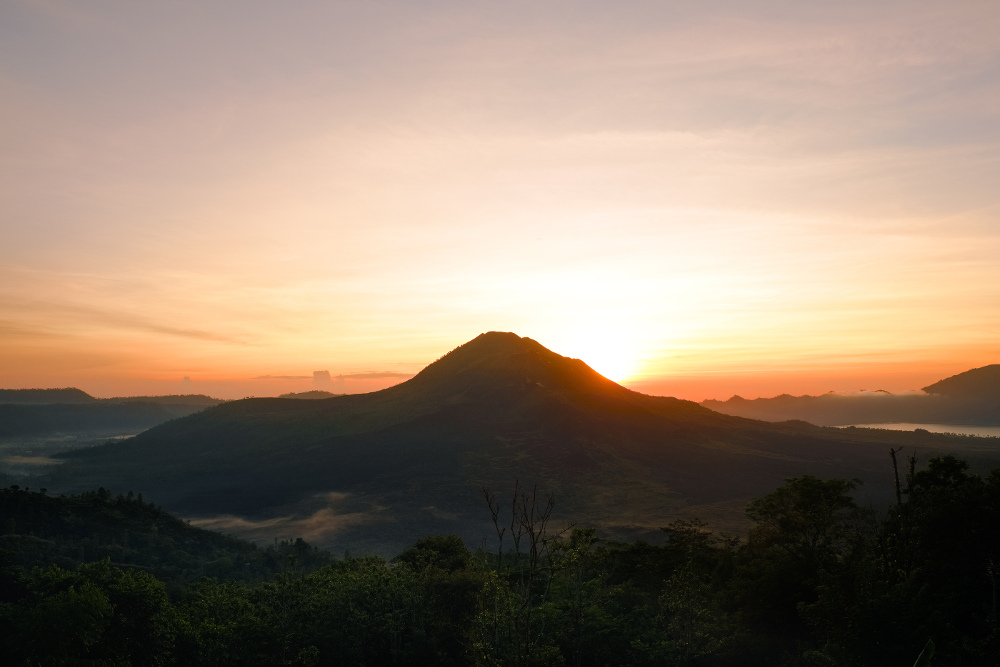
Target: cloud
(318,527)
(31,460)
(439,514)
(368,375)
(12,329)
(127,322)
(51,316)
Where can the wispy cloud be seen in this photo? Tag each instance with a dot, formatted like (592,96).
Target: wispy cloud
(318,527)
(368,375)
(374,375)
(51,317)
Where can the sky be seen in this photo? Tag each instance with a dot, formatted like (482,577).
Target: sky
(698,199)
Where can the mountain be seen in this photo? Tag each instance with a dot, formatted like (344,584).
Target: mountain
(977,384)
(307,395)
(971,398)
(45,412)
(379,470)
(45,396)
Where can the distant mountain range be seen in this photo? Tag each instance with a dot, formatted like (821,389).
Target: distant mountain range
(74,396)
(44,412)
(969,398)
(376,471)
(314,394)
(977,384)
(65,396)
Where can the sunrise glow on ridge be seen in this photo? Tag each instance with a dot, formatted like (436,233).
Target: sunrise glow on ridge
(605,350)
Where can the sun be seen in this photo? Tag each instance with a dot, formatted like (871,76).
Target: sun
(612,365)
(607,352)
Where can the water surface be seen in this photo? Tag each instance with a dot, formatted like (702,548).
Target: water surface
(988,431)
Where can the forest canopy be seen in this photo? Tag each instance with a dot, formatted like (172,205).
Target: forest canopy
(818,580)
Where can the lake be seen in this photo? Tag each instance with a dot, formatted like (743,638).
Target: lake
(990,431)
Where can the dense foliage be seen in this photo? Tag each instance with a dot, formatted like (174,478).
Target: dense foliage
(818,581)
(41,530)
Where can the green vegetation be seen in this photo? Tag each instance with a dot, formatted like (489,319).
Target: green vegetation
(40,530)
(818,581)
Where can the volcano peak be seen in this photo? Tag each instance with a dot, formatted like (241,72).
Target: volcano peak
(501,358)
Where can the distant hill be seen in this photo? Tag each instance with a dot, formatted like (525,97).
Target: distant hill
(169,399)
(68,395)
(971,398)
(41,412)
(831,409)
(42,529)
(74,396)
(314,394)
(380,470)
(978,384)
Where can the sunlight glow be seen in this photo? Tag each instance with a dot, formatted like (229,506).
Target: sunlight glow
(607,351)
(723,204)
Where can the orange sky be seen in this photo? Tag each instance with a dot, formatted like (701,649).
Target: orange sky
(704,200)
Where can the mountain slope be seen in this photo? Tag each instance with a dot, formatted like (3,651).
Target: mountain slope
(969,398)
(40,530)
(977,384)
(386,467)
(42,412)
(66,395)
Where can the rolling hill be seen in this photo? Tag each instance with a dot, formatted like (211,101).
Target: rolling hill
(40,530)
(969,398)
(66,395)
(978,384)
(376,471)
(44,412)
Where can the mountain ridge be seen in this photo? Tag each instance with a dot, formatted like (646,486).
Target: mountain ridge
(44,412)
(978,383)
(968,398)
(410,460)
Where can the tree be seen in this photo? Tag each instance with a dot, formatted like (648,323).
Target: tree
(803,532)
(99,614)
(807,518)
(531,539)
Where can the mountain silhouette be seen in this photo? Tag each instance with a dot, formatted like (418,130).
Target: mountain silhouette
(971,398)
(65,396)
(387,467)
(51,412)
(977,384)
